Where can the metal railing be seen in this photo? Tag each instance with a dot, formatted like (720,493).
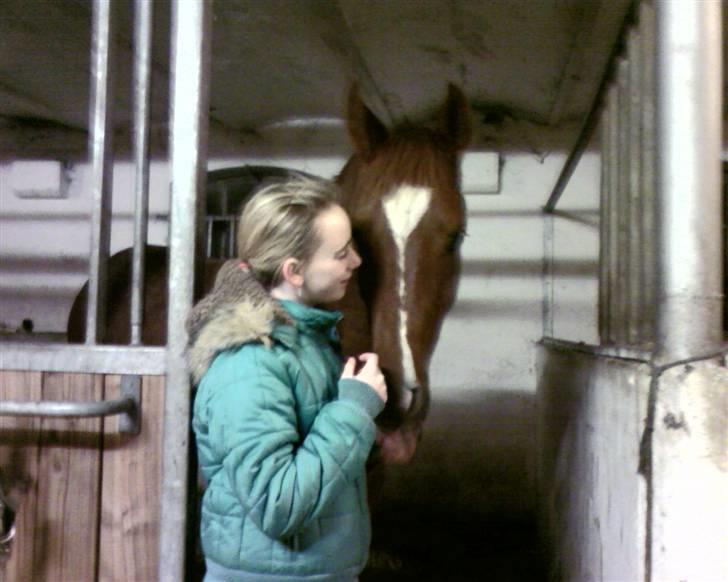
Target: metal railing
(191,24)
(93,358)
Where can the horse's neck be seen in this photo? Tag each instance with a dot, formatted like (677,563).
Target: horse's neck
(354,328)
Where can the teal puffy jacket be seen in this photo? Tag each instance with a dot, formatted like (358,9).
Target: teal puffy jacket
(282,441)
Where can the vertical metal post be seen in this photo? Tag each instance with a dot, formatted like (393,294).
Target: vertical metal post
(623,203)
(689,127)
(191,28)
(613,210)
(648,184)
(142,81)
(547,306)
(101,146)
(604,226)
(634,259)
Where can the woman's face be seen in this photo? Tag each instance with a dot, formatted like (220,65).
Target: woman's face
(327,273)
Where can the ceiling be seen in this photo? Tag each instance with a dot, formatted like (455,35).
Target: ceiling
(529,68)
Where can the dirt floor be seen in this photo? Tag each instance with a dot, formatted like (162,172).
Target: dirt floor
(414,545)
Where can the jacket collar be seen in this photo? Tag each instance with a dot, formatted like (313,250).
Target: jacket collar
(306,316)
(237,311)
(304,319)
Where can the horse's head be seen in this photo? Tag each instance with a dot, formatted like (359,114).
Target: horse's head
(408,216)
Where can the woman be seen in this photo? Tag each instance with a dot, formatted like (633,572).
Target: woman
(283,433)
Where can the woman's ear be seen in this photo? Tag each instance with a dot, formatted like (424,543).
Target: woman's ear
(291,272)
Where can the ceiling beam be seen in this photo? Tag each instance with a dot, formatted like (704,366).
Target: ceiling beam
(597,32)
(25,105)
(359,68)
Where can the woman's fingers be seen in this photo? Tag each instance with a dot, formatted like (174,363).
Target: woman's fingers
(370,359)
(371,374)
(349,368)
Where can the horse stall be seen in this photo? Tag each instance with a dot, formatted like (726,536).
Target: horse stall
(633,429)
(574,421)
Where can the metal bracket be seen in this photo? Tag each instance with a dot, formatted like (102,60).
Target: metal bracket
(130,421)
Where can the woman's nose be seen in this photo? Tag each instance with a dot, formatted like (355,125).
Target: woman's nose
(355,259)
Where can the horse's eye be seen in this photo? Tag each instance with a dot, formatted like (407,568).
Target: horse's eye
(454,240)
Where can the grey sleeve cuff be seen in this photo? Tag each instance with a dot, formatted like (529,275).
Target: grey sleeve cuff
(361,393)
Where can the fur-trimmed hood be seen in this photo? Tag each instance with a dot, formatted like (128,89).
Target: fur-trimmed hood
(237,311)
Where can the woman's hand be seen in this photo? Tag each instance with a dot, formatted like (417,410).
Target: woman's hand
(370,373)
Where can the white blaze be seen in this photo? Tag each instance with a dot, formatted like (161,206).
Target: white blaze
(404,208)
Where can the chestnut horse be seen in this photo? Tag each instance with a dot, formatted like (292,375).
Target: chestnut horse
(400,188)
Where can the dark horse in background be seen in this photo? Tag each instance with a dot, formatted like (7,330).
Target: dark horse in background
(401,189)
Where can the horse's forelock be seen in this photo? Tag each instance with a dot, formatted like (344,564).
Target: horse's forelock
(416,157)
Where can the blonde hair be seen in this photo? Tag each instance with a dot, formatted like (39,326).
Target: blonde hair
(278,222)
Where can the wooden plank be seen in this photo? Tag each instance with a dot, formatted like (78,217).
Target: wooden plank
(19,445)
(131,490)
(66,528)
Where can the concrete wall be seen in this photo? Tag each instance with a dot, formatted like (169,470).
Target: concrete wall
(633,466)
(688,492)
(592,413)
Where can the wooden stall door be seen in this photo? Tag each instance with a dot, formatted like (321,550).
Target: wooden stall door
(87,498)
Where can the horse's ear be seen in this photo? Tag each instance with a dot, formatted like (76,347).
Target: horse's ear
(455,117)
(365,130)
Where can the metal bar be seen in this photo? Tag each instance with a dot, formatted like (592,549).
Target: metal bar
(648,184)
(101,146)
(191,28)
(77,358)
(591,122)
(231,238)
(623,204)
(56,409)
(127,407)
(209,227)
(689,127)
(621,352)
(635,282)
(547,306)
(604,226)
(131,388)
(142,81)
(613,210)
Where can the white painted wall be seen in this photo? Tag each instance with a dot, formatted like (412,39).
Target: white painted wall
(45,243)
